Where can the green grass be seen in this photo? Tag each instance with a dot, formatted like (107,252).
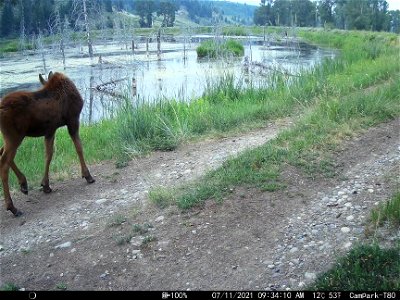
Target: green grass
(214,49)
(365,268)
(61,286)
(13,46)
(127,230)
(161,197)
(117,220)
(236,31)
(147,240)
(9,287)
(123,239)
(387,212)
(9,46)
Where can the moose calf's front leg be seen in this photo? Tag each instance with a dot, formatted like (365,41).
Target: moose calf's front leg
(49,145)
(78,146)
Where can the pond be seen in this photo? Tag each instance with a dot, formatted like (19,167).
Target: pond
(173,73)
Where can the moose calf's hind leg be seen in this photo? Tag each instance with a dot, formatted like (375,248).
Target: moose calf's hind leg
(5,162)
(21,177)
(23,184)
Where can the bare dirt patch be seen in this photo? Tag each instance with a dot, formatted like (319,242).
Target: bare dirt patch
(106,236)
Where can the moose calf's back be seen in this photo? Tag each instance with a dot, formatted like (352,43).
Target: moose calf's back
(41,112)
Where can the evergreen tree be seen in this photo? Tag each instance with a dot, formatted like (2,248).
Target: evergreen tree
(107,5)
(339,15)
(303,13)
(145,10)
(7,19)
(264,14)
(41,13)
(167,10)
(358,15)
(325,11)
(380,19)
(395,21)
(282,12)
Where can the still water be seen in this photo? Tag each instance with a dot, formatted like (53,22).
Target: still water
(175,73)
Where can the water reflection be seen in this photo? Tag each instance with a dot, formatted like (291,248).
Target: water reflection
(147,74)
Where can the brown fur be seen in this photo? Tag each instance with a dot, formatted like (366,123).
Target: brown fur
(37,114)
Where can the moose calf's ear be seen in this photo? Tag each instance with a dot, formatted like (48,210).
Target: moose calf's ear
(42,79)
(50,74)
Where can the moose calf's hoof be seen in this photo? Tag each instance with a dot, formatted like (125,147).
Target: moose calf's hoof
(46,189)
(16,212)
(89,179)
(24,188)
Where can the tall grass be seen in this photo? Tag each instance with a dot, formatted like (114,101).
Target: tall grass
(387,212)
(213,48)
(151,127)
(235,31)
(13,46)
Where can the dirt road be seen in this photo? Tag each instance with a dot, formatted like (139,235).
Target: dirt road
(107,236)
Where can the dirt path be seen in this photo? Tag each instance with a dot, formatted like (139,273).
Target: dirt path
(106,236)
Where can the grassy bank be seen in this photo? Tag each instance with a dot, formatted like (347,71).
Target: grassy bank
(306,145)
(367,59)
(335,99)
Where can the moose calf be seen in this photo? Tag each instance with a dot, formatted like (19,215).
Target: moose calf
(36,114)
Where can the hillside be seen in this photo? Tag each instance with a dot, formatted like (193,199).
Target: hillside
(236,12)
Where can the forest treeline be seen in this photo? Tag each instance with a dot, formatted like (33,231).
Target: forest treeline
(30,17)
(342,14)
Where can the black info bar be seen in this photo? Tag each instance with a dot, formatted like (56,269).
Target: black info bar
(201,295)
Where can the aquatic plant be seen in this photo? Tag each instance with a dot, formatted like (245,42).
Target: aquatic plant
(214,48)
